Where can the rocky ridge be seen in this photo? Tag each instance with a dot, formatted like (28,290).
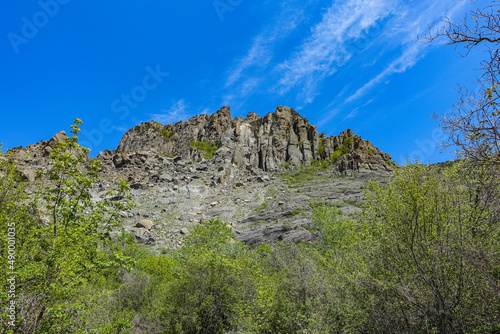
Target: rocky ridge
(277,141)
(239,170)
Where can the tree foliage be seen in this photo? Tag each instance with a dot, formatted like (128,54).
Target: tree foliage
(62,238)
(436,254)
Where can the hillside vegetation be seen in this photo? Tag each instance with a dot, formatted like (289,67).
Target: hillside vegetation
(422,257)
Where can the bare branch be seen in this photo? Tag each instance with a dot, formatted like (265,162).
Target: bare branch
(474,121)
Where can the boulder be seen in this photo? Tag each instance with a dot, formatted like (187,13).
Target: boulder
(29,175)
(147,224)
(140,233)
(57,138)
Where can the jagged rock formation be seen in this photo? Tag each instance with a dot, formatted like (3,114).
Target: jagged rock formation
(36,156)
(274,142)
(216,166)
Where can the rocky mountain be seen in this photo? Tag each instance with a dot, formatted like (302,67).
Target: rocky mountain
(277,141)
(260,175)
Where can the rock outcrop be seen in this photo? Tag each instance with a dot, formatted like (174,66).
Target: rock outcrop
(36,156)
(277,141)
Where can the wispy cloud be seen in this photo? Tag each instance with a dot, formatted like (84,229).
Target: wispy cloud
(177,112)
(205,111)
(353,113)
(259,55)
(411,55)
(368,40)
(320,55)
(248,71)
(262,48)
(417,21)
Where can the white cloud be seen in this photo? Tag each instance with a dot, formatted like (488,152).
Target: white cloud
(352,36)
(205,111)
(411,55)
(409,25)
(260,54)
(177,112)
(356,110)
(326,49)
(249,70)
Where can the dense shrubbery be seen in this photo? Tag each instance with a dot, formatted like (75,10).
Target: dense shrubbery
(423,257)
(437,252)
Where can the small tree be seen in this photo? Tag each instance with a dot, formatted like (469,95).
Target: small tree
(59,254)
(213,290)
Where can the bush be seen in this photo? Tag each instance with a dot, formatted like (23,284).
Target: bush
(337,154)
(321,148)
(208,147)
(214,289)
(435,257)
(166,132)
(55,257)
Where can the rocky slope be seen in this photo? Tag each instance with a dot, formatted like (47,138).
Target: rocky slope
(250,172)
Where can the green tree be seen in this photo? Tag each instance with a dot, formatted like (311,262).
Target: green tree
(437,255)
(213,290)
(63,241)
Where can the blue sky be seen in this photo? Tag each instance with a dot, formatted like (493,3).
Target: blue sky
(341,64)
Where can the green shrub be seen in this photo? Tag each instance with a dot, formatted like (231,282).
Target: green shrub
(369,151)
(337,154)
(166,132)
(215,288)
(346,145)
(321,148)
(430,235)
(208,147)
(55,257)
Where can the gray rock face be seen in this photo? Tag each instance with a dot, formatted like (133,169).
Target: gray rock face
(36,156)
(274,142)
(294,231)
(57,138)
